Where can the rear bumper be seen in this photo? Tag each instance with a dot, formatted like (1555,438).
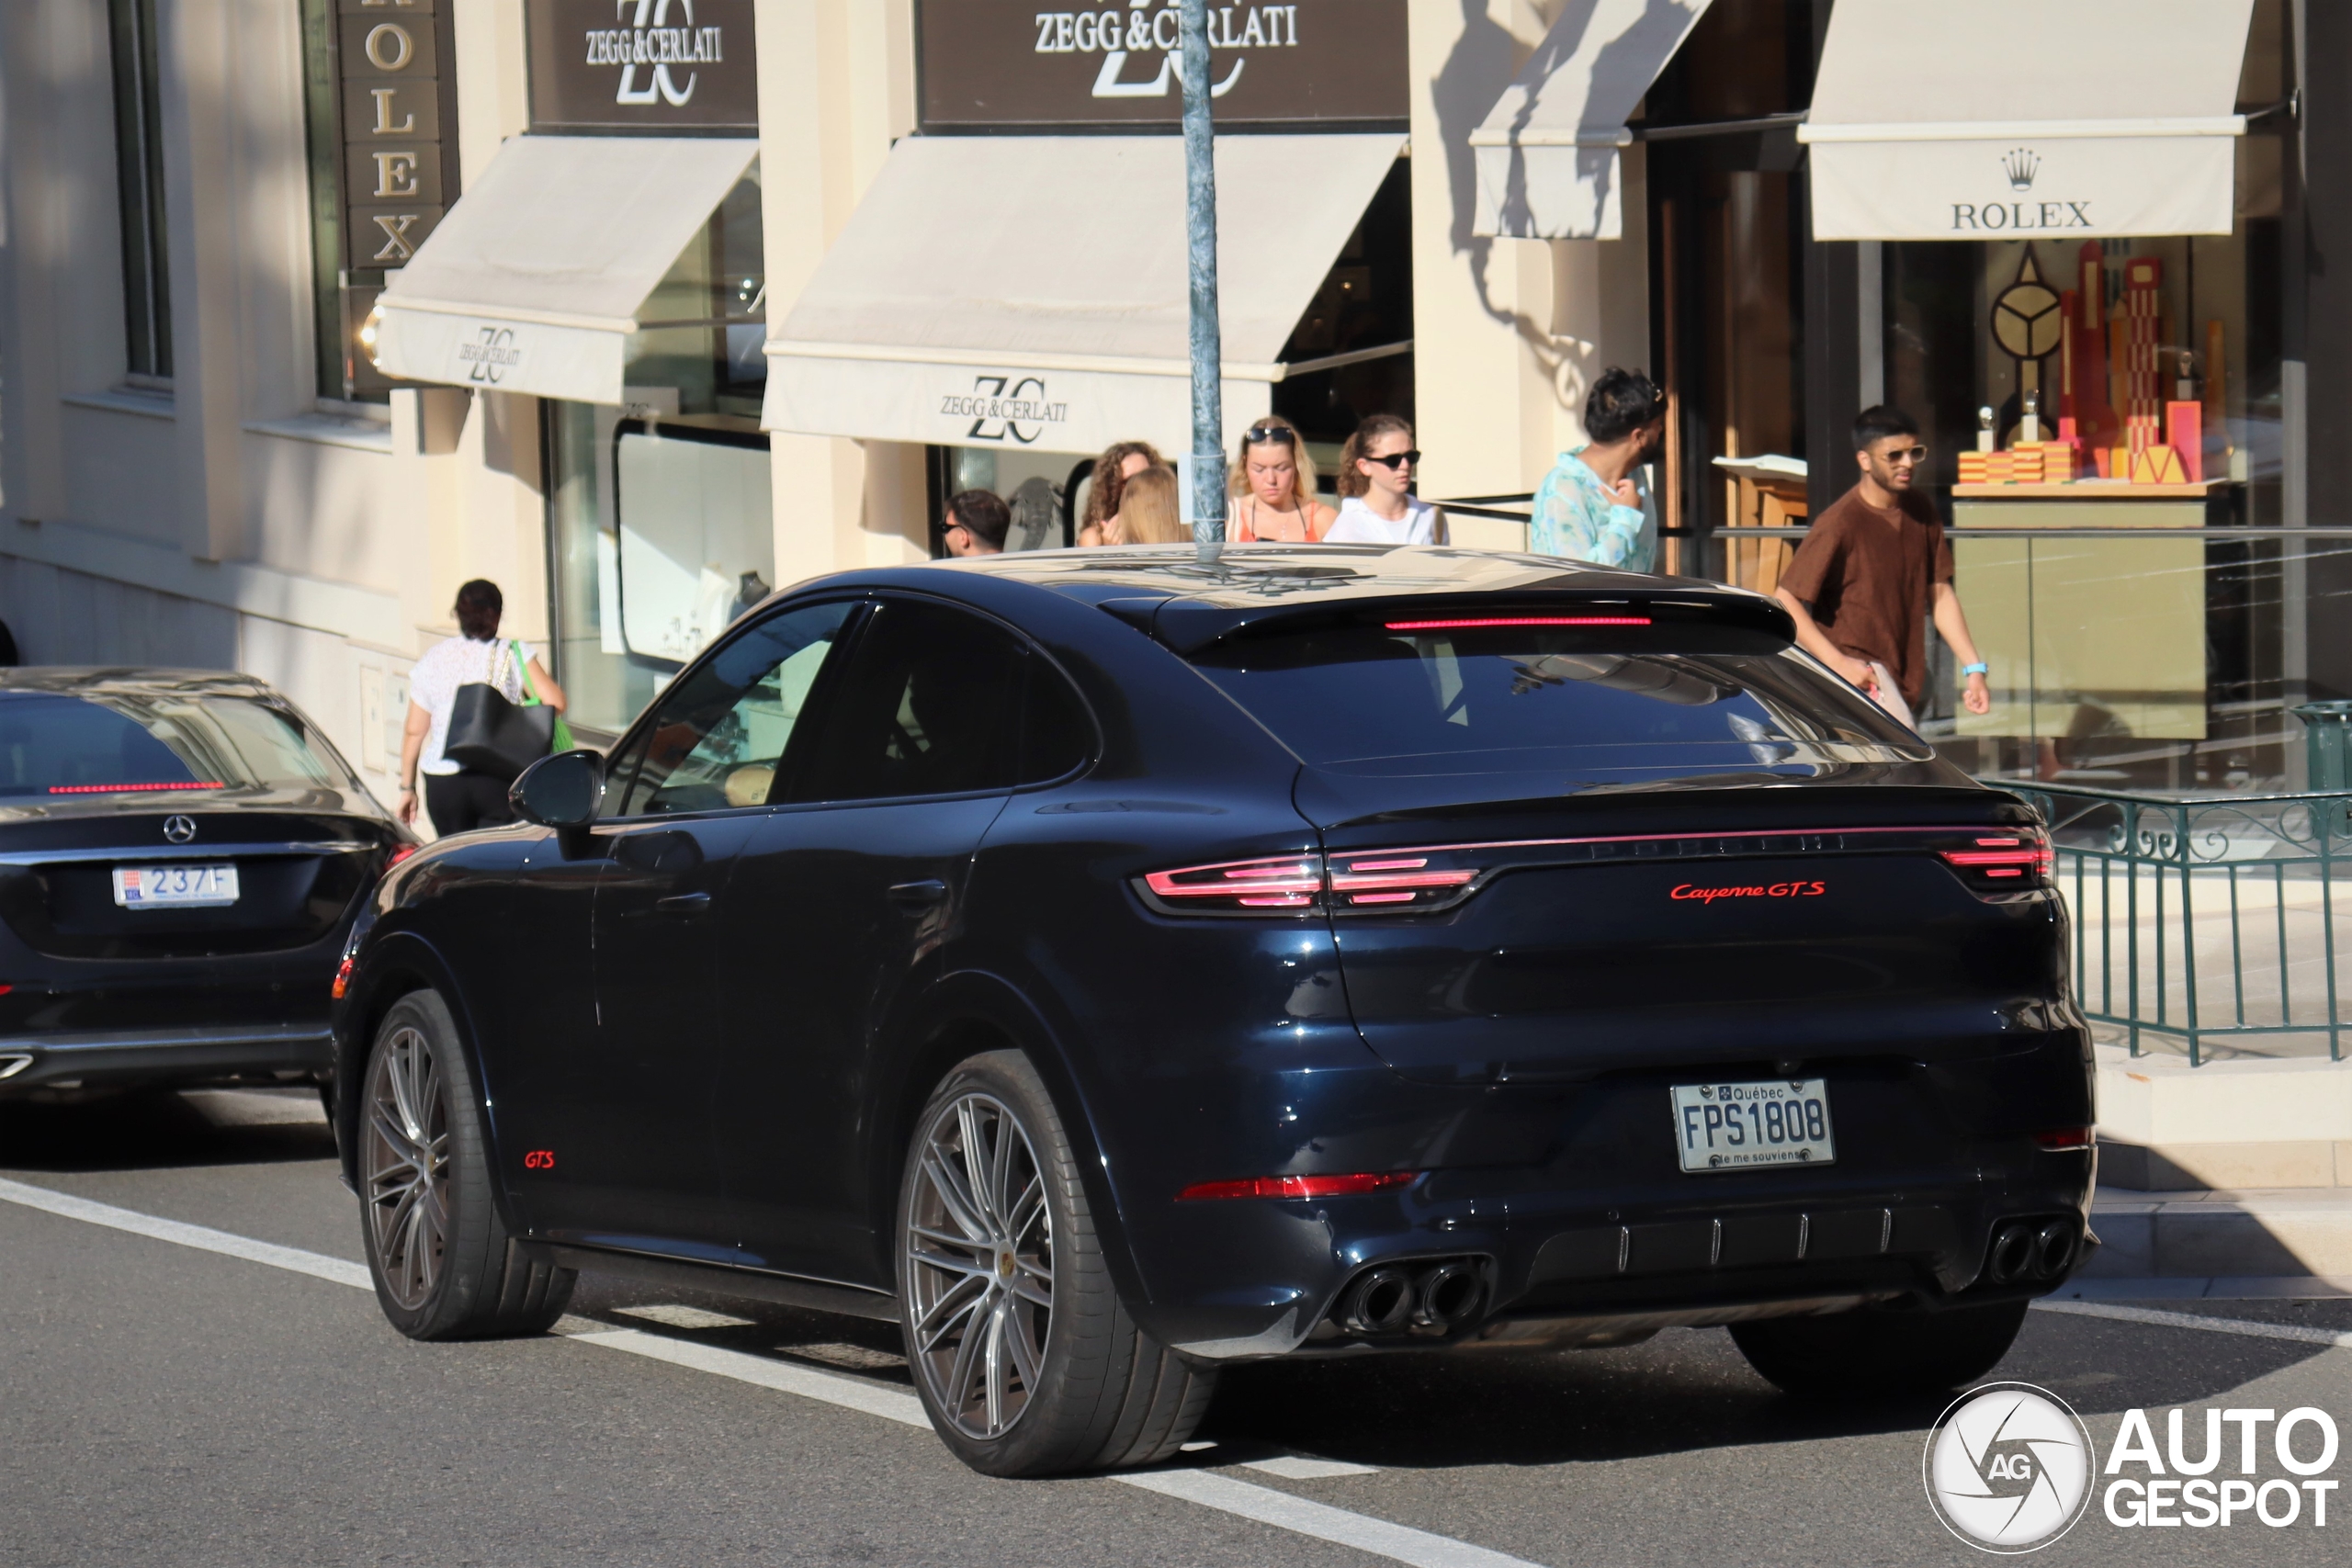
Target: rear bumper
(110,1058)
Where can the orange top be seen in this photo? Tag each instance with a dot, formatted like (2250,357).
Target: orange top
(1260,523)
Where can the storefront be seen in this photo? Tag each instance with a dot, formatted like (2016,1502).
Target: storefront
(1011,292)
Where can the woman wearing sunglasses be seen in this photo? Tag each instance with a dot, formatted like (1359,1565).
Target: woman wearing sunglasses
(1377,506)
(1273,488)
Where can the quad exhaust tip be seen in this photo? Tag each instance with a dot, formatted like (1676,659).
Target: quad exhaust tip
(2033,1249)
(1432,1298)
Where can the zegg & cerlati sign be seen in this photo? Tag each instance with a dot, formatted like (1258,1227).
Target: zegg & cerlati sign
(658,66)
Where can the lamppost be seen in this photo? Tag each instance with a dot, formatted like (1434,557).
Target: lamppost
(1200,233)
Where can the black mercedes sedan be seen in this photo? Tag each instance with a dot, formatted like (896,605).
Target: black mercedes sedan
(1109,966)
(181,856)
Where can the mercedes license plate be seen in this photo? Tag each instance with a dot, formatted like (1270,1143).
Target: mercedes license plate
(175,886)
(1738,1126)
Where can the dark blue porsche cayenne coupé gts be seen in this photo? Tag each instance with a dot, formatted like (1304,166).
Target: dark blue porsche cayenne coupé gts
(1109,966)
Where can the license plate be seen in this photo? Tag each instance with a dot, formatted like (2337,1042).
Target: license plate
(175,886)
(1739,1127)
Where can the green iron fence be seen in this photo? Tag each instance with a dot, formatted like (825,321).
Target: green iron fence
(2205,920)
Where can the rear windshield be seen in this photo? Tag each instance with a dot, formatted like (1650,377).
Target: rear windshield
(132,743)
(1367,699)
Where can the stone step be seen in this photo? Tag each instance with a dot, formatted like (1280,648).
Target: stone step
(2274,1233)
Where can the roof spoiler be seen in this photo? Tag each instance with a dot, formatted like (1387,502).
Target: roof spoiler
(1187,624)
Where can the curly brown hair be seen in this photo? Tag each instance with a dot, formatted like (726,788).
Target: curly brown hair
(1351,479)
(1102,500)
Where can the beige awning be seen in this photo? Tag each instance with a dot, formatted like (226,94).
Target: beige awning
(1031,291)
(2016,118)
(1547,155)
(535,279)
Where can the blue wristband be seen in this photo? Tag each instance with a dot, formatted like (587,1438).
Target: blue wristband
(1979,667)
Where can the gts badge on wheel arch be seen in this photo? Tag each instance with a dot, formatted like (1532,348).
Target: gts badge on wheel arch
(539,1159)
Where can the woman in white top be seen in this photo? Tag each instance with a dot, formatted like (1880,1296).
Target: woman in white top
(1377,506)
(1273,488)
(459,798)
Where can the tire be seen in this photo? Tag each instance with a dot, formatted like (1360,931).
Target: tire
(444,1265)
(1868,1353)
(1012,1261)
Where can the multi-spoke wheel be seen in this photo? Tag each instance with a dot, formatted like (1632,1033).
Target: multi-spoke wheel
(404,1165)
(445,1267)
(980,1266)
(1022,1353)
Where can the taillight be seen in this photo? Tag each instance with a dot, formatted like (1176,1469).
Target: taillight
(399,852)
(343,975)
(2007,859)
(2066,1139)
(1298,1186)
(1361,882)
(1239,887)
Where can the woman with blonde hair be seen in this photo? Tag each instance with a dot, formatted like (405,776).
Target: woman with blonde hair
(1377,506)
(1274,488)
(1121,461)
(1148,510)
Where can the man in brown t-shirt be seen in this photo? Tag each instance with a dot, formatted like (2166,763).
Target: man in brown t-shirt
(1871,566)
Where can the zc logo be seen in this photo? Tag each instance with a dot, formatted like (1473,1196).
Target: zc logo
(1005,408)
(648,40)
(490,355)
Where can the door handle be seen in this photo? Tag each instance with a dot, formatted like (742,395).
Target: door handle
(683,904)
(919,895)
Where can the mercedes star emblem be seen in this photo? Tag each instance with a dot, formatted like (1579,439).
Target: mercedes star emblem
(179,830)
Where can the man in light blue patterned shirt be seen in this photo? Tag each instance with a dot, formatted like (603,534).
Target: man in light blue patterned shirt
(1590,507)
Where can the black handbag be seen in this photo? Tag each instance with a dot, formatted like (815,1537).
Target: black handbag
(490,735)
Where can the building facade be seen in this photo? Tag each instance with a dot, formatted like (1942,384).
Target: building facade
(312,310)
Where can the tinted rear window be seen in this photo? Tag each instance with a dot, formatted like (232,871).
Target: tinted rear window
(1512,698)
(128,743)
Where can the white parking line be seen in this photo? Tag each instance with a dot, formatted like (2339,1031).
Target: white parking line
(202,1238)
(2239,1326)
(1300,1515)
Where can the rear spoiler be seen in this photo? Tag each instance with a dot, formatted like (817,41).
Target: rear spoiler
(1187,624)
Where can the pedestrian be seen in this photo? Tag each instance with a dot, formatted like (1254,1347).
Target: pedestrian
(1121,461)
(1860,586)
(1590,507)
(1149,510)
(1376,502)
(459,798)
(1274,483)
(978,520)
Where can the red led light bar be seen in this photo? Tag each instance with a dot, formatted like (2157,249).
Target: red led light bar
(2065,1140)
(1518,620)
(129,788)
(1297,1186)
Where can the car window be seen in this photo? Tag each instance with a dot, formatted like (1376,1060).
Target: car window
(929,705)
(1512,696)
(717,738)
(1056,733)
(126,742)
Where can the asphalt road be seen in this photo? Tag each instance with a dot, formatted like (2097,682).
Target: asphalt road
(163,1403)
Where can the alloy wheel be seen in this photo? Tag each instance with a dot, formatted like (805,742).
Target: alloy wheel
(979,1260)
(405,1167)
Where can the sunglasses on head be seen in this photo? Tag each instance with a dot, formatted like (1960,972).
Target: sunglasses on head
(1269,434)
(1390,462)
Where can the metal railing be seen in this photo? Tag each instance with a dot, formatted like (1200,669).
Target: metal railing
(2204,918)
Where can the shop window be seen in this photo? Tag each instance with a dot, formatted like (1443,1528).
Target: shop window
(1364,306)
(139,188)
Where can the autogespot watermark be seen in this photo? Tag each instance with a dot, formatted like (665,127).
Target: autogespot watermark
(2010,1468)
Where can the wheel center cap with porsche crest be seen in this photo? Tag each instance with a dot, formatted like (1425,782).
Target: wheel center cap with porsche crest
(179,830)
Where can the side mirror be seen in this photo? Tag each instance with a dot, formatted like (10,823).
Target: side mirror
(561,791)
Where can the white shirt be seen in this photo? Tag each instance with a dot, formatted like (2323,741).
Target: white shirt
(1360,524)
(460,661)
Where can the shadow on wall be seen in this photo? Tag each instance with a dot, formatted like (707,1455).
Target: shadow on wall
(1484,59)
(66,617)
